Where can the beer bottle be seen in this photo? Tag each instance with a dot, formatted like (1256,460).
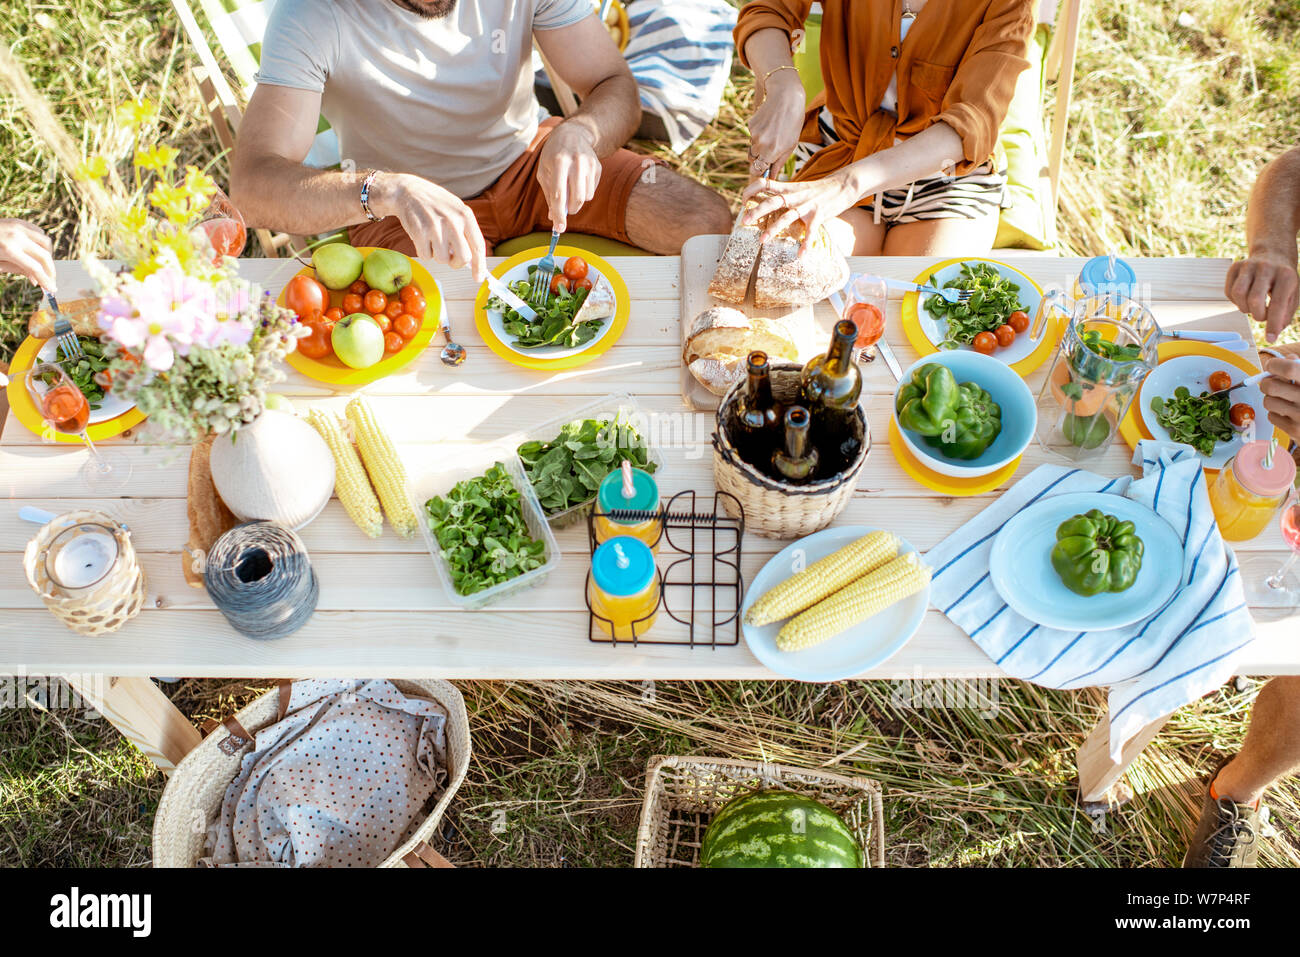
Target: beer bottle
(796,461)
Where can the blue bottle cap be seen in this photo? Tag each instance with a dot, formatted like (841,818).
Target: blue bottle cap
(1094,282)
(623,566)
(645,493)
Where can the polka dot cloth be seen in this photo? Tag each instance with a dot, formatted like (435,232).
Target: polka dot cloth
(340,782)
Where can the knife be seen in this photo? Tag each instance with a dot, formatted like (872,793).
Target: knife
(502,292)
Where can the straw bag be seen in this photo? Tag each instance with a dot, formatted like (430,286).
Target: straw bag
(683,793)
(778,509)
(193,796)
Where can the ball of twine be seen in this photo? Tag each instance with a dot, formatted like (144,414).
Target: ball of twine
(259,576)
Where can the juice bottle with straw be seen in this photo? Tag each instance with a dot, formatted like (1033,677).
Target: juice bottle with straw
(629,489)
(1248,491)
(624,587)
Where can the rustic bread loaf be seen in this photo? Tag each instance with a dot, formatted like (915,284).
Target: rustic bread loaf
(731,278)
(787,278)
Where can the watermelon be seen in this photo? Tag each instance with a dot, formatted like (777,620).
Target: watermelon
(778,829)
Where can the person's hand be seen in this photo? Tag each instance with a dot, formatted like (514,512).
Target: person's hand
(442,227)
(814,201)
(775,126)
(568,171)
(1265,286)
(1281,391)
(27,251)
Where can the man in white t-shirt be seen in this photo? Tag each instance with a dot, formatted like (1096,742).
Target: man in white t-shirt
(443,155)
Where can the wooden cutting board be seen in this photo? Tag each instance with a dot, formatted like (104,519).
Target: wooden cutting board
(699,259)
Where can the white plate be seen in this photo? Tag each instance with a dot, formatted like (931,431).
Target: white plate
(1194,372)
(936,330)
(496,321)
(111,406)
(849,653)
(1020,565)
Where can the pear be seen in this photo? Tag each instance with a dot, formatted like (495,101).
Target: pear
(387,270)
(337,265)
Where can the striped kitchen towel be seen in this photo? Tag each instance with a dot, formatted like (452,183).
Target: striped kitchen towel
(1154,667)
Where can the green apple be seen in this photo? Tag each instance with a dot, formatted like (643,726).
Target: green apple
(358,341)
(337,265)
(387,270)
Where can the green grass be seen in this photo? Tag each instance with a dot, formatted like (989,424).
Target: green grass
(1169,126)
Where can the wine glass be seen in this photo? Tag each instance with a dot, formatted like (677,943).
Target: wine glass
(1273,592)
(64,408)
(224,226)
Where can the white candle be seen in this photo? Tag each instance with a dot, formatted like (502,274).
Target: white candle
(85,559)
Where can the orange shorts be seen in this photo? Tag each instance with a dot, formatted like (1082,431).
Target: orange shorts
(514,204)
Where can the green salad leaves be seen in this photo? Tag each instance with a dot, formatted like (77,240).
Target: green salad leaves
(568,470)
(1198,421)
(993,299)
(554,325)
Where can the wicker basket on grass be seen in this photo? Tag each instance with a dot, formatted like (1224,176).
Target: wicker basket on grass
(778,509)
(683,793)
(192,799)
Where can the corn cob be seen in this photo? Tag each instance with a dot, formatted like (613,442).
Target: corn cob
(824,577)
(865,597)
(350,481)
(386,471)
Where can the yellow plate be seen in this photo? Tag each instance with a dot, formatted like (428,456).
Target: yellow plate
(330,370)
(947,484)
(1134,429)
(25,410)
(924,347)
(598,346)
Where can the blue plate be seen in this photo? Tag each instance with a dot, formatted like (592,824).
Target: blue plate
(854,650)
(1020,565)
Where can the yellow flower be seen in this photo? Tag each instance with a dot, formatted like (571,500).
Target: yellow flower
(172,201)
(136,113)
(134,221)
(92,168)
(200,186)
(156,158)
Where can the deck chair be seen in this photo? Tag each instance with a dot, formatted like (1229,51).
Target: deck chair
(1033,160)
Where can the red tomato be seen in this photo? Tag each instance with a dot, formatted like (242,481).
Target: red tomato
(393,342)
(316,345)
(985,342)
(415,305)
(1220,380)
(359,288)
(1005,335)
(353,302)
(375,301)
(1241,414)
(1018,321)
(304,295)
(870,322)
(575,268)
(394,308)
(558,282)
(583,283)
(382,319)
(406,325)
(334,313)
(410,291)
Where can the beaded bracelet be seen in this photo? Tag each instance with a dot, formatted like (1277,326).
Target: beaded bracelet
(365,194)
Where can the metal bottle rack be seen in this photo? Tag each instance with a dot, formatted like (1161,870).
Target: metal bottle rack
(701,586)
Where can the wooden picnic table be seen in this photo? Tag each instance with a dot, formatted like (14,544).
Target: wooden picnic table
(382,612)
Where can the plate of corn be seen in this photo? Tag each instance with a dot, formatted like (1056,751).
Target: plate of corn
(836,604)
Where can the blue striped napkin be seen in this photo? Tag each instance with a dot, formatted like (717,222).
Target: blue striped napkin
(1154,667)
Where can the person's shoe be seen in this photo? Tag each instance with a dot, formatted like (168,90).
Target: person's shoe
(1227,834)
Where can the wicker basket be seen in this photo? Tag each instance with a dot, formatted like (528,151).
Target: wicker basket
(102,608)
(193,796)
(778,509)
(683,793)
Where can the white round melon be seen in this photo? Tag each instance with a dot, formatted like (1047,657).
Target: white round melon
(278,469)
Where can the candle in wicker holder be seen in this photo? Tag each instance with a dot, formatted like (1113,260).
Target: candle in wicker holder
(84,568)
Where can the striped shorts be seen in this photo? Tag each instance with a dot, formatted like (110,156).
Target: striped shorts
(980,192)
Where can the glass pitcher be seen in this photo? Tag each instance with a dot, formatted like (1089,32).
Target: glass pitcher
(1107,349)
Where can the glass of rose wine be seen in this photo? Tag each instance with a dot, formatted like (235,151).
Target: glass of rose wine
(64,408)
(1273,591)
(224,227)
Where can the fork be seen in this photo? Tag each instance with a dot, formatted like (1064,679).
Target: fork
(69,344)
(541,290)
(951,295)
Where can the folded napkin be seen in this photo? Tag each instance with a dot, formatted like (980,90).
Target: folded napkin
(1185,650)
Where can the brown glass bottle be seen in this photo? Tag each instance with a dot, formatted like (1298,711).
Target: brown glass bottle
(829,388)
(796,461)
(755,428)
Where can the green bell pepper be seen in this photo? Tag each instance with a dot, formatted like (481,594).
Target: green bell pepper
(1097,553)
(961,421)
(928,401)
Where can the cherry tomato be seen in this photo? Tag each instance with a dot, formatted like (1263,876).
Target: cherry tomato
(1241,414)
(393,342)
(394,308)
(305,295)
(383,321)
(375,301)
(359,288)
(1018,321)
(410,291)
(558,282)
(353,302)
(406,325)
(334,314)
(583,283)
(415,305)
(1220,380)
(317,345)
(1005,335)
(575,268)
(984,342)
(870,322)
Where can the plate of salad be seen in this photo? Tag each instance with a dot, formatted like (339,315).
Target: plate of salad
(1175,406)
(585,313)
(995,320)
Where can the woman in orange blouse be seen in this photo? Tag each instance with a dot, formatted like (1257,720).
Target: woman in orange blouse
(898,157)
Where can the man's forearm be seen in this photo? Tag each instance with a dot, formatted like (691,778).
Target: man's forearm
(275,193)
(611,113)
(1273,217)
